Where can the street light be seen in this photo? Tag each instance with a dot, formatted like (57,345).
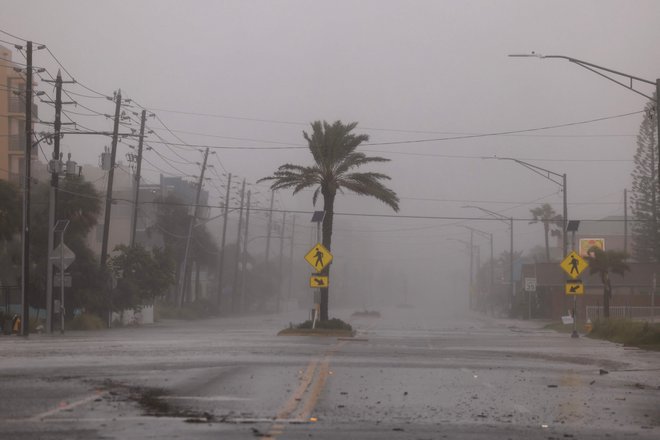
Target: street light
(508,220)
(488,235)
(598,70)
(470,246)
(553,177)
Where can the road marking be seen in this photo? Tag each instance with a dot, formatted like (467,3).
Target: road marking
(306,379)
(63,406)
(313,379)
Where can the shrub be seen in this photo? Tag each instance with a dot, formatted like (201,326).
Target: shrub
(201,308)
(627,332)
(86,321)
(330,324)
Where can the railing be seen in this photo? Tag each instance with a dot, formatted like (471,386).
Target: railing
(17,142)
(17,105)
(624,312)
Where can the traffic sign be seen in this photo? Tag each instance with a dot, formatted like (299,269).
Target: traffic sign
(318,281)
(62,253)
(574,287)
(57,280)
(530,284)
(573,264)
(318,257)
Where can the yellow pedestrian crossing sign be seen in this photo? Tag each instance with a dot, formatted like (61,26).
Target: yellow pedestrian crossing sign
(318,281)
(574,287)
(318,257)
(573,264)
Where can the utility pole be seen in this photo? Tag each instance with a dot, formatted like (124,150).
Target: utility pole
(56,169)
(234,291)
(471,268)
(270,223)
(245,250)
(293,234)
(625,220)
(25,282)
(138,169)
(222,244)
(111,177)
(191,224)
(281,263)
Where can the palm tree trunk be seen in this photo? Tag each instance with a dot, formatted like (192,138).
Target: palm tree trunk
(328,207)
(607,293)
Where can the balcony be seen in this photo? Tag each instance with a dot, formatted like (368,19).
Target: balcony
(17,142)
(17,105)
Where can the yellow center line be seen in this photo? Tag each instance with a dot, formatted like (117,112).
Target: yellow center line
(295,398)
(315,377)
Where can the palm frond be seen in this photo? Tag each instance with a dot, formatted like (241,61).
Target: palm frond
(368,184)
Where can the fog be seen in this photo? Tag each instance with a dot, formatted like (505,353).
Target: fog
(417,76)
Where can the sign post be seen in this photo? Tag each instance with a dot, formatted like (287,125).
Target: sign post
(318,257)
(574,265)
(62,257)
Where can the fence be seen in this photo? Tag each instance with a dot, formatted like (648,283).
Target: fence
(10,299)
(625,312)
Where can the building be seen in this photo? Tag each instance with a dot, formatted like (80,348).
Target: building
(12,119)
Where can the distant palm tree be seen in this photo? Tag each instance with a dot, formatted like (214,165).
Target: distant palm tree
(333,148)
(603,262)
(552,224)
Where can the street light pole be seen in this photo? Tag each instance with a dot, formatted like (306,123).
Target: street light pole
(488,235)
(554,178)
(598,70)
(508,220)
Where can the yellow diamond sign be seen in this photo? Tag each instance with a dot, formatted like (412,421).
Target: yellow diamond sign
(318,257)
(573,265)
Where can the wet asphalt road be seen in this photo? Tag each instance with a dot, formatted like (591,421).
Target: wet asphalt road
(411,374)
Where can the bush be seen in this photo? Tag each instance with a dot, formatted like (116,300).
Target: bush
(86,321)
(330,324)
(627,332)
(199,309)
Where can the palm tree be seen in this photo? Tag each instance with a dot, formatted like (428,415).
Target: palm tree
(552,224)
(333,148)
(603,262)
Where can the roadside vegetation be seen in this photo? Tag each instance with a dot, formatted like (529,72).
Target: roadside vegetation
(627,332)
(198,309)
(331,327)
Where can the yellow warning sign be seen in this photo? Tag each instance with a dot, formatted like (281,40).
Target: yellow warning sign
(318,281)
(573,265)
(318,257)
(574,287)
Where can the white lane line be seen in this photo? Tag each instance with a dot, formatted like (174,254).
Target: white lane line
(66,406)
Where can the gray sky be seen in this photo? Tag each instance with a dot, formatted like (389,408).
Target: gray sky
(406,70)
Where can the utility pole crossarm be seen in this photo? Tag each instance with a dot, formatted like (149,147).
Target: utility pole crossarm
(479,232)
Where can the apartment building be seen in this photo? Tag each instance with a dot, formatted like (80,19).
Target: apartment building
(12,118)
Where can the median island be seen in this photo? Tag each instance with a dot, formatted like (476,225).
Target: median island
(332,327)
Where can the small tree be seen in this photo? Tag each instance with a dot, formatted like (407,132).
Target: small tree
(142,275)
(603,262)
(552,224)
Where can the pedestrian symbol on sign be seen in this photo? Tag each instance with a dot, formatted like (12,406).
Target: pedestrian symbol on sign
(318,257)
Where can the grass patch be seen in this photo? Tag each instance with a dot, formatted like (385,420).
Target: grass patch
(627,332)
(85,321)
(561,327)
(331,327)
(196,310)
